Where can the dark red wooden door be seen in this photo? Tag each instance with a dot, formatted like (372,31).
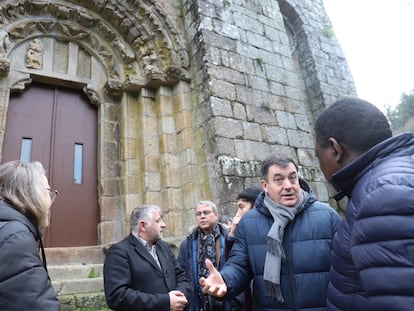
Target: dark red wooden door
(58,127)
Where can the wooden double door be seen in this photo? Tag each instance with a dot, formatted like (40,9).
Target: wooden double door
(58,127)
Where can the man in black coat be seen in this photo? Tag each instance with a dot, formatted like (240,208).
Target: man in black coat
(141,271)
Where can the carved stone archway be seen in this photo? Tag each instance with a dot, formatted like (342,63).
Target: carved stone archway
(112,50)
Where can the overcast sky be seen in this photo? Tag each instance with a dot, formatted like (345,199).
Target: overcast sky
(377,37)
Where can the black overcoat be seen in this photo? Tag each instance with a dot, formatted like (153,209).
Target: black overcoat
(134,281)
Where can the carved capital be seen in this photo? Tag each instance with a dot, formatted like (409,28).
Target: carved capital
(4,67)
(175,74)
(134,83)
(114,87)
(92,95)
(20,83)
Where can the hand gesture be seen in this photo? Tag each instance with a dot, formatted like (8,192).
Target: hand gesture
(236,220)
(178,301)
(214,284)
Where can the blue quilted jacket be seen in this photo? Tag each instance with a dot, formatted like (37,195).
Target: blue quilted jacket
(373,250)
(307,245)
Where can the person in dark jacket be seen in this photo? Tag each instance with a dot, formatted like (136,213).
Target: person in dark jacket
(373,249)
(141,271)
(25,201)
(207,240)
(245,202)
(283,245)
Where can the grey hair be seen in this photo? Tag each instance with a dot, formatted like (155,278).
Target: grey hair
(142,212)
(21,186)
(207,203)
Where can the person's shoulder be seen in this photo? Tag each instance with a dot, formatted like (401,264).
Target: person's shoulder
(192,233)
(121,244)
(223,229)
(11,227)
(186,242)
(163,244)
(322,207)
(20,240)
(253,216)
(256,212)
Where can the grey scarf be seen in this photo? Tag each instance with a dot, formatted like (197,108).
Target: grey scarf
(275,254)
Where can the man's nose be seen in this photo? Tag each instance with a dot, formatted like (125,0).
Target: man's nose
(287,183)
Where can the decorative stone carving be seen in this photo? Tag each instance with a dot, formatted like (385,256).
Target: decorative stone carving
(114,87)
(174,73)
(118,32)
(153,74)
(92,95)
(4,67)
(4,43)
(60,11)
(34,56)
(14,10)
(126,54)
(20,83)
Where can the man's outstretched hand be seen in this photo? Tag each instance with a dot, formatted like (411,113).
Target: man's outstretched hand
(214,284)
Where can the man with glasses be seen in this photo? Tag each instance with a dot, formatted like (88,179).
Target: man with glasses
(207,241)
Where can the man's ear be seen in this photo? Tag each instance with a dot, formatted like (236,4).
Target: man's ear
(264,184)
(142,224)
(338,152)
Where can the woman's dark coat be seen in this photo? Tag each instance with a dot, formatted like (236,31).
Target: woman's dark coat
(24,281)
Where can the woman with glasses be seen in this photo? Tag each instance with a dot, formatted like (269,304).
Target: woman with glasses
(25,201)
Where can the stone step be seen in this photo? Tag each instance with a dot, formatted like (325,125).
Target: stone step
(74,255)
(78,286)
(69,268)
(76,278)
(75,271)
(88,301)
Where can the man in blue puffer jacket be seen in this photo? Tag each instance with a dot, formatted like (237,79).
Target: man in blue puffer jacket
(283,245)
(373,249)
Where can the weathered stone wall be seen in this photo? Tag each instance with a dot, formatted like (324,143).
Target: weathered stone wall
(261,70)
(192,94)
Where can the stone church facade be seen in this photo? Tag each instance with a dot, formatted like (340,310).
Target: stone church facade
(190,95)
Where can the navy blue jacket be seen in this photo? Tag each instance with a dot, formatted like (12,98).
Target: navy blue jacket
(373,250)
(307,245)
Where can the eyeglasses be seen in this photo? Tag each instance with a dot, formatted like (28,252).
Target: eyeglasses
(52,194)
(205,213)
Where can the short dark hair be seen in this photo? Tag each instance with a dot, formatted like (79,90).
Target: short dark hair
(352,121)
(249,194)
(281,161)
